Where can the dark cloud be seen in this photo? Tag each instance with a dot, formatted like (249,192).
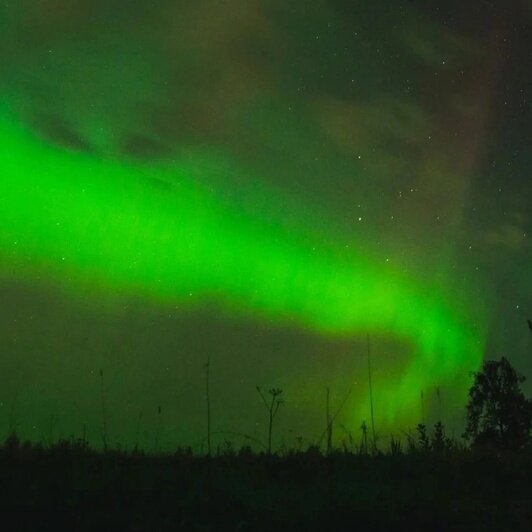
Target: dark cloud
(57,131)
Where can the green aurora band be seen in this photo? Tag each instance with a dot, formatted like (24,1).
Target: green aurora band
(102,222)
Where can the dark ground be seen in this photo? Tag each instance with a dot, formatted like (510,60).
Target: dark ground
(70,487)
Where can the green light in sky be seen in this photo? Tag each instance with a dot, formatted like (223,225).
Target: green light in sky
(104,224)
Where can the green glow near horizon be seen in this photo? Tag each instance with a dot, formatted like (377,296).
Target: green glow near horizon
(103,224)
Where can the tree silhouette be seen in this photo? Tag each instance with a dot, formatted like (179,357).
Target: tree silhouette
(498,412)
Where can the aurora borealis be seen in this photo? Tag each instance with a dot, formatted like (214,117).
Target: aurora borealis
(262,184)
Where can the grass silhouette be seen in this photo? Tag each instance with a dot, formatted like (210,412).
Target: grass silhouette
(435,484)
(423,481)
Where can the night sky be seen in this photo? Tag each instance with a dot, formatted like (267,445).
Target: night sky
(265,184)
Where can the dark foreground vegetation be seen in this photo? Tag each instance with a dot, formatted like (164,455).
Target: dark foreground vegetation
(428,482)
(70,487)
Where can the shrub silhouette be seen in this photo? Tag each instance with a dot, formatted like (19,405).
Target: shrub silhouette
(439,442)
(423,438)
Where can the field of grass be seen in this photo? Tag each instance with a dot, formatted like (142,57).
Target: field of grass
(69,486)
